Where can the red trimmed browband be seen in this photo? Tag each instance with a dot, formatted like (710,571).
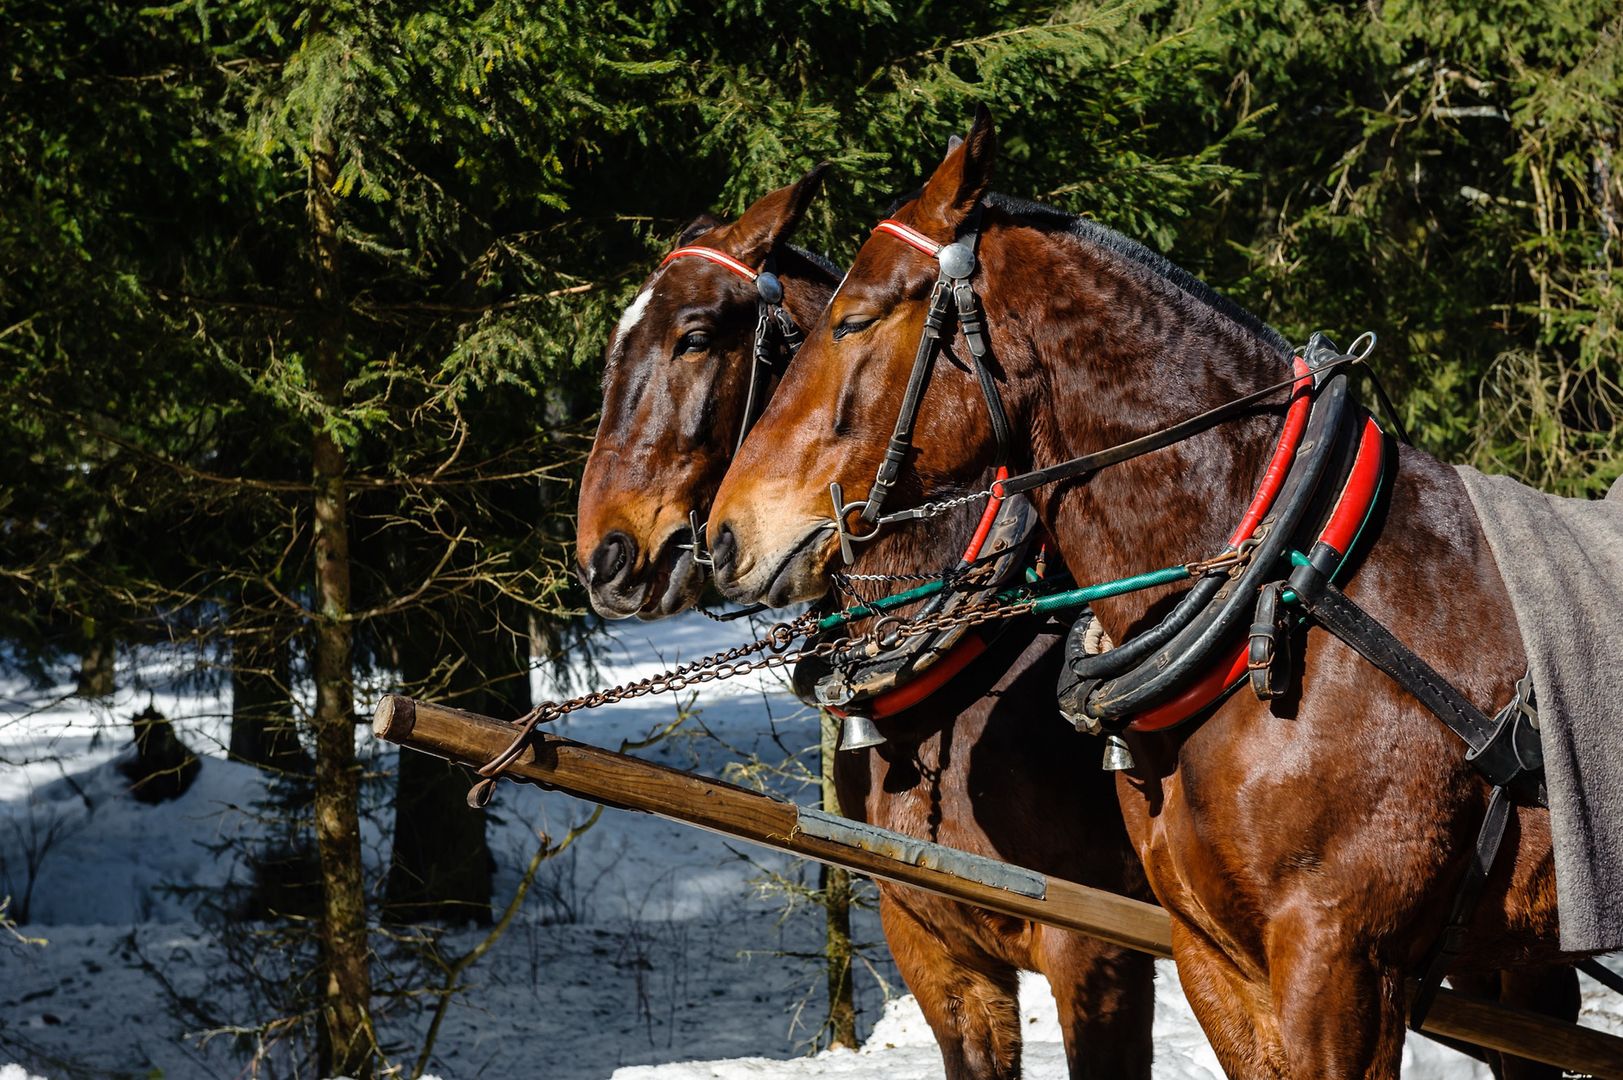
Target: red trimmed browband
(720,258)
(909,236)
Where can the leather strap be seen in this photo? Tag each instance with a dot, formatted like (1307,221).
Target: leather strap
(1450,944)
(972,320)
(1492,753)
(1267,642)
(1155,440)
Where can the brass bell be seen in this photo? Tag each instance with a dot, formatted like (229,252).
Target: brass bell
(859,733)
(1118,758)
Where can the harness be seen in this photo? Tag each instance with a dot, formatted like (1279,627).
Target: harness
(1323,480)
(877,682)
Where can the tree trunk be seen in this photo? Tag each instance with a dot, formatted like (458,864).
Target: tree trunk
(263,730)
(440,866)
(345,1041)
(96,664)
(835,885)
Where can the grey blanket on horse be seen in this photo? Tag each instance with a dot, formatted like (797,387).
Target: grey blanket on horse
(1562,561)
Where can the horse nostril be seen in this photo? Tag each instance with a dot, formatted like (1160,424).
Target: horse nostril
(610,560)
(725,549)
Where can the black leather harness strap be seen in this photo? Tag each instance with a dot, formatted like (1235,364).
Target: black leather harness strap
(1496,750)
(901,437)
(1505,748)
(1157,440)
(952,295)
(1450,944)
(972,320)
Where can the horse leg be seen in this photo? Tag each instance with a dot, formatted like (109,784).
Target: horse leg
(1106,999)
(1340,1015)
(1552,991)
(969,998)
(1220,999)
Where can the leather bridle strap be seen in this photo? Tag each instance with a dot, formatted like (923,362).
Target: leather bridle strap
(1155,440)
(771,315)
(952,296)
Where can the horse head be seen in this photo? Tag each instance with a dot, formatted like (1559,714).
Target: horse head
(675,393)
(1090,340)
(772,527)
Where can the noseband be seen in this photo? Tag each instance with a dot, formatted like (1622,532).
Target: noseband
(772,321)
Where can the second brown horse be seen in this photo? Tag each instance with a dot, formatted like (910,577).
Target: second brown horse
(985,765)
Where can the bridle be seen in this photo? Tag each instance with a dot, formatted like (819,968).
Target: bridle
(772,321)
(777,339)
(954,297)
(951,298)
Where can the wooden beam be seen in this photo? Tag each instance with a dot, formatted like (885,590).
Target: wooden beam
(630,783)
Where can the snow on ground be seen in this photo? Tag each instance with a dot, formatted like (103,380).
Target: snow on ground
(646,953)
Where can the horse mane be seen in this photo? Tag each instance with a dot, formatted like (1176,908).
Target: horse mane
(819,260)
(1091,232)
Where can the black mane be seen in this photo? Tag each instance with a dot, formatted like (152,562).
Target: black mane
(1102,236)
(1090,231)
(819,260)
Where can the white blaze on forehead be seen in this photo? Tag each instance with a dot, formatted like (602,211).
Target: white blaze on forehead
(633,314)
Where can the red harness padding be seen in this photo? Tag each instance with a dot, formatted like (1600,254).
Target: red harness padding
(1352,507)
(1273,478)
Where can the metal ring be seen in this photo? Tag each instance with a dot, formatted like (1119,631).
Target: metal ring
(880,629)
(1367,340)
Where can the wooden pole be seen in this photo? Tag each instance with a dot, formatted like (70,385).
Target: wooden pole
(630,783)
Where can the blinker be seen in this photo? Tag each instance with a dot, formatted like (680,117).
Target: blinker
(768,285)
(957,260)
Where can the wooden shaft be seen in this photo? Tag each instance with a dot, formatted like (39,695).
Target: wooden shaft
(630,783)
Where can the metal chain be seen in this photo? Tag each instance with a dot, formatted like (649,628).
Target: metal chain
(938,507)
(887,632)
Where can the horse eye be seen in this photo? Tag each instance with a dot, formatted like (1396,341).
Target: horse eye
(697,341)
(853,324)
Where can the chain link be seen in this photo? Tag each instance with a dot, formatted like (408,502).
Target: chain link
(731,663)
(939,506)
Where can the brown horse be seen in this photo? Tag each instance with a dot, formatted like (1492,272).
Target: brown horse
(1307,849)
(985,765)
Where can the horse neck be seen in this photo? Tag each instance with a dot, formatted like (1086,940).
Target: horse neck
(1127,352)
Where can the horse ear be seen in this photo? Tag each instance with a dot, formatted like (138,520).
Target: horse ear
(697,228)
(773,218)
(963,176)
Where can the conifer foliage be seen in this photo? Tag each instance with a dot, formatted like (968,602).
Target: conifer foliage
(303,304)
